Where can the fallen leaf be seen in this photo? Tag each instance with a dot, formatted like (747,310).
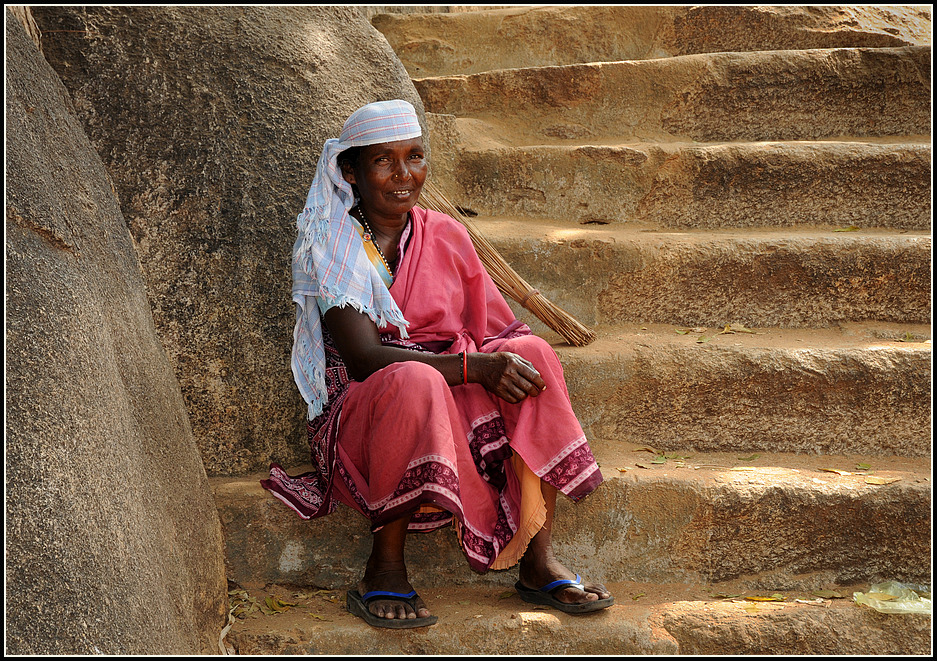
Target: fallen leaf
(277,605)
(851,228)
(642,466)
(702,338)
(507,594)
(827,594)
(863,467)
(682,332)
(740,328)
(835,470)
(723,595)
(638,596)
(872,479)
(318,617)
(622,470)
(699,330)
(660,459)
(775,597)
(646,448)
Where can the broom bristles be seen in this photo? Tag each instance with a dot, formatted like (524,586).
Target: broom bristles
(507,279)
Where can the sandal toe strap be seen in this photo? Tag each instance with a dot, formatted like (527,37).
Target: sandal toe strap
(377,594)
(564,583)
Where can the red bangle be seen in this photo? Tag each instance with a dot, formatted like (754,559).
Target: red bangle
(464,368)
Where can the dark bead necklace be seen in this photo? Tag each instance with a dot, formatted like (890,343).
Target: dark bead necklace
(369,236)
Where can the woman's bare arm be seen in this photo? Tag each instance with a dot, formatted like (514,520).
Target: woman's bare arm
(358,341)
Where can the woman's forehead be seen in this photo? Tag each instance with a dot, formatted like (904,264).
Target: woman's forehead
(397,145)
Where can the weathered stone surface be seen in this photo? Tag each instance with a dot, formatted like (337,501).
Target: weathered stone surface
(645,619)
(514,37)
(772,95)
(678,185)
(780,522)
(810,392)
(113,543)
(210,121)
(610,274)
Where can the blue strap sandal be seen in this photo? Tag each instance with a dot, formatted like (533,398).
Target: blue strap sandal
(358,605)
(545,596)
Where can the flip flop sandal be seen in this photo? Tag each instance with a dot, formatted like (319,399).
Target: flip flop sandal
(545,596)
(358,605)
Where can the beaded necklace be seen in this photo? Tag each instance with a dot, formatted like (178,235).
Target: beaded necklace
(369,236)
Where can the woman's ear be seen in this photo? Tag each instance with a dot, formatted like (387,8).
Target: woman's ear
(348,172)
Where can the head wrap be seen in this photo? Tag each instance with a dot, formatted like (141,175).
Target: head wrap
(329,260)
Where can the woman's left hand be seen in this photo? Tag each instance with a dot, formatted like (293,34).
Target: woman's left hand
(507,375)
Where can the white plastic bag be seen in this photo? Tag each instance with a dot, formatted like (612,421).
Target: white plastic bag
(895,597)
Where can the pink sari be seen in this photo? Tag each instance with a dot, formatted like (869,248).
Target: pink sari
(403,441)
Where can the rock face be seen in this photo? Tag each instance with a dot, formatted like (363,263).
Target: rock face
(113,541)
(210,121)
(519,37)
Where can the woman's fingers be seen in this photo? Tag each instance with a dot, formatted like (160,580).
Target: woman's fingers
(519,379)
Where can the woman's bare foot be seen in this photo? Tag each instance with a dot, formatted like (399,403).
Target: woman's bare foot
(537,572)
(392,578)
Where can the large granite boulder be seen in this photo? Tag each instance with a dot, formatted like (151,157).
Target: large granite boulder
(113,543)
(210,121)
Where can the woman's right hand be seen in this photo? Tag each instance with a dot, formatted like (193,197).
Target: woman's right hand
(505,374)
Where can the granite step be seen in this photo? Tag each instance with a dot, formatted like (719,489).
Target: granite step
(864,183)
(855,389)
(715,97)
(506,38)
(645,619)
(793,278)
(772,521)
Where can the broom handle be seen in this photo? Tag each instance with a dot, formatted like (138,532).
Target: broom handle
(505,276)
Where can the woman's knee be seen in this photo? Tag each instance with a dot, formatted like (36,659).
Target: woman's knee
(415,380)
(531,347)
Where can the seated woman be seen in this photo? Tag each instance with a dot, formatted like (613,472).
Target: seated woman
(429,403)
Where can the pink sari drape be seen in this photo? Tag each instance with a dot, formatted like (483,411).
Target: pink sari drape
(403,439)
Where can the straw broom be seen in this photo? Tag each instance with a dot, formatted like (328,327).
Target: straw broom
(506,278)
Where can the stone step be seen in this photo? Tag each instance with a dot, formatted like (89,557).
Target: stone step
(761,184)
(472,42)
(775,521)
(607,274)
(849,390)
(645,619)
(716,97)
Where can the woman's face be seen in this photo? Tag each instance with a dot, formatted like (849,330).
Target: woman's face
(389,176)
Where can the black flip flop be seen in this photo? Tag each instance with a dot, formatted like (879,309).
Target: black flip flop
(545,596)
(358,605)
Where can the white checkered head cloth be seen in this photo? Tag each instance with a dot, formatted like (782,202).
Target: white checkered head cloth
(329,260)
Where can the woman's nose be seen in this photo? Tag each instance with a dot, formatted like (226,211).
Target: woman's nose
(401,172)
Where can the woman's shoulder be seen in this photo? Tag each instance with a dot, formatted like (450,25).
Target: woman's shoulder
(442,224)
